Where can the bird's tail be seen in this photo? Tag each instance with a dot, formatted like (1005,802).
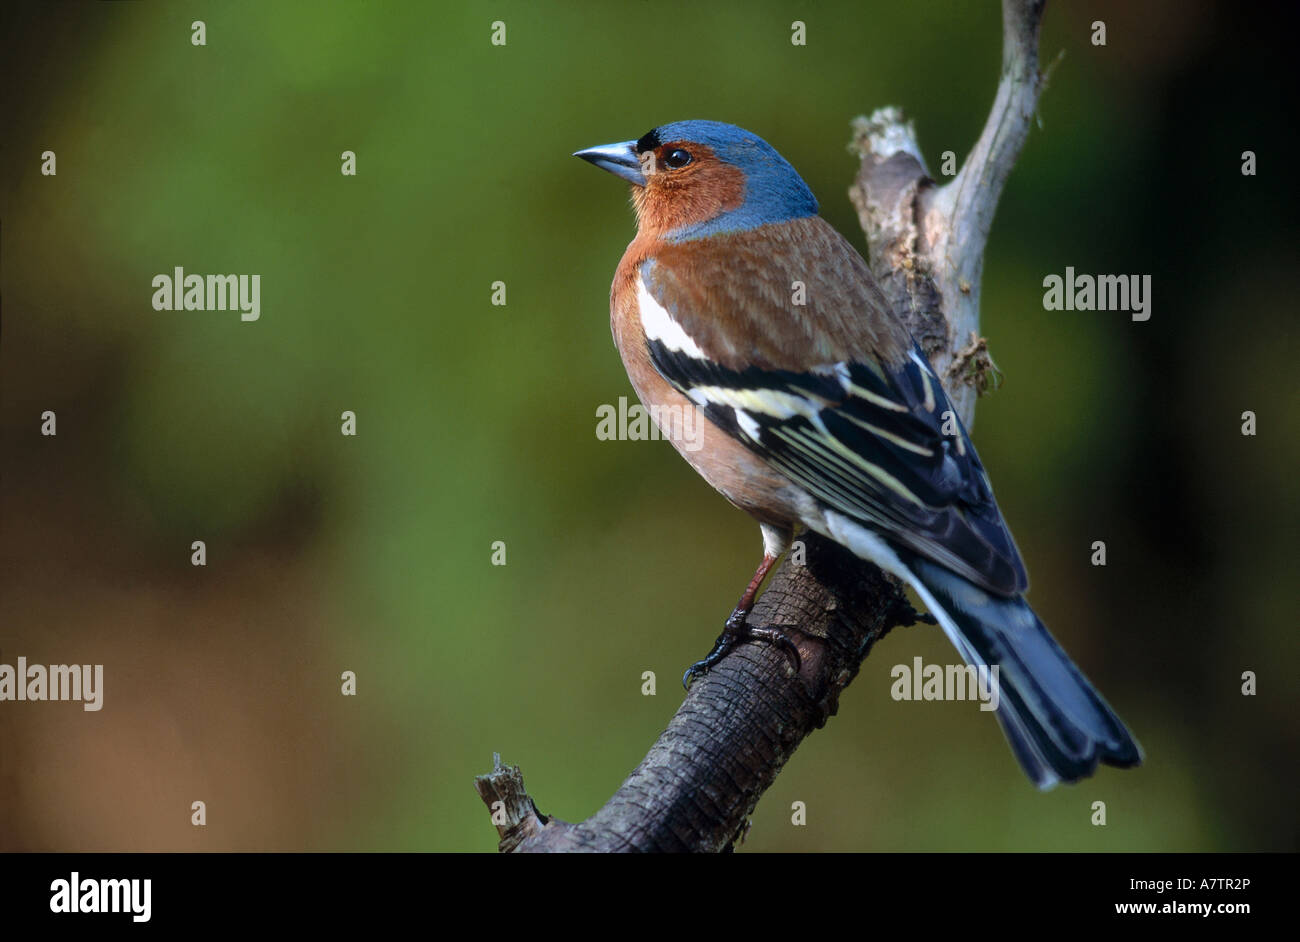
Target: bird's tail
(1059,727)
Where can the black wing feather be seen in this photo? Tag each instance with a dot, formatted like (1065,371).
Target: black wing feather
(869,442)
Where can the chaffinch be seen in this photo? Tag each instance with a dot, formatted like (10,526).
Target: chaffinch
(826,414)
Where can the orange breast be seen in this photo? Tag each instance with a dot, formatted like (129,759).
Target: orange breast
(730,467)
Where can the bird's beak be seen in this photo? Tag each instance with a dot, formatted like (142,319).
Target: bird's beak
(618,159)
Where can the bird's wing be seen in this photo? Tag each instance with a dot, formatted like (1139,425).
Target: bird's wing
(841,402)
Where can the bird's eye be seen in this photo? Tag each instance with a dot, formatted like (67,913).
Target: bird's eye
(676,159)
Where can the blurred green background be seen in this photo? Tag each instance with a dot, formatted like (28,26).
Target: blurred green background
(476,423)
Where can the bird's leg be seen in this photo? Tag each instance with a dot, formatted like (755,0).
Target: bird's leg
(738,630)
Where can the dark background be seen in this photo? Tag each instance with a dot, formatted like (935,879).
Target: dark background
(477,423)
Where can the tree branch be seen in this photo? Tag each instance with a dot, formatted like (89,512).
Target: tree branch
(927,241)
(739,724)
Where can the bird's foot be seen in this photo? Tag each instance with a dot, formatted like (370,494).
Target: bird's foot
(737,631)
(904,614)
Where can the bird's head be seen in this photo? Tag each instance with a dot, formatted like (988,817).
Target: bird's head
(693,179)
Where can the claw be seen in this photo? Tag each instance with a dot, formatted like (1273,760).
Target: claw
(774,637)
(736,632)
(726,641)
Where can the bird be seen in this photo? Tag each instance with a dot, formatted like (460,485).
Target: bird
(827,415)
